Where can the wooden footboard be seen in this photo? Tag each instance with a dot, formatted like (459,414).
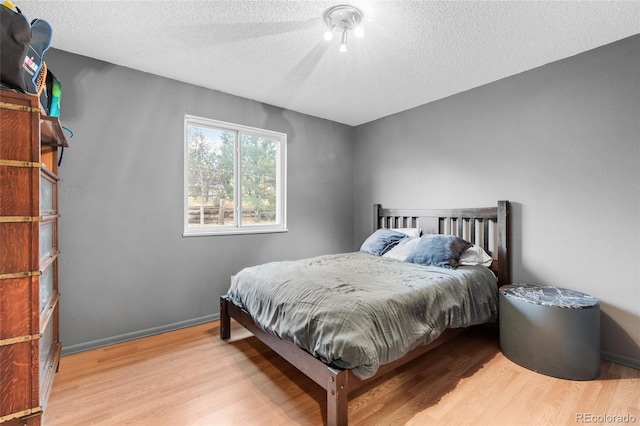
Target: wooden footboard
(338,383)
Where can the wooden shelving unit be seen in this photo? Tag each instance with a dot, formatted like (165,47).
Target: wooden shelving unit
(29,297)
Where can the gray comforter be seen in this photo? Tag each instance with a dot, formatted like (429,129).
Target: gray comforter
(358,311)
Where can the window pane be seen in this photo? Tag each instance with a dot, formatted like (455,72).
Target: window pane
(259,180)
(235,178)
(210,176)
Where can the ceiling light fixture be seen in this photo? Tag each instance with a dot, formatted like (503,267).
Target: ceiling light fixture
(342,19)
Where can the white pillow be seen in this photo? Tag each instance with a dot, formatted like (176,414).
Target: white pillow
(403,249)
(411,232)
(475,255)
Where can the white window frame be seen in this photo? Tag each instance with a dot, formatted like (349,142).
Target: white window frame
(281,177)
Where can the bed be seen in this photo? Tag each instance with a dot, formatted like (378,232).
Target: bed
(359,281)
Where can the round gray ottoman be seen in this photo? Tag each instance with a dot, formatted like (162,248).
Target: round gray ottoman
(550,330)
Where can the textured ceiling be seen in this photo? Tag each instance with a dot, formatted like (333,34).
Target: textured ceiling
(412,53)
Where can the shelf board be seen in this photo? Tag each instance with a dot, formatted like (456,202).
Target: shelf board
(48,311)
(51,131)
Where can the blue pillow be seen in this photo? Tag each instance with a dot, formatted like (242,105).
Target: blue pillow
(381,241)
(439,250)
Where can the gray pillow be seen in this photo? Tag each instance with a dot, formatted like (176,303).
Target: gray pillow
(439,250)
(381,241)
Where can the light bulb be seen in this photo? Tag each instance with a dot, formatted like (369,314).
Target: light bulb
(358,31)
(343,44)
(328,35)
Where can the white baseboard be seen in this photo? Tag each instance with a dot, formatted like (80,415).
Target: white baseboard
(94,344)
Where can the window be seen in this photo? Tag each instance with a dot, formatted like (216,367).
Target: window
(235,178)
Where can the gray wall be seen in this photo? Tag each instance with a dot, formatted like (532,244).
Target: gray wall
(562,143)
(559,141)
(126,271)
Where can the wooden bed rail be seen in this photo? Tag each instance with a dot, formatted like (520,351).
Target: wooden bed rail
(334,381)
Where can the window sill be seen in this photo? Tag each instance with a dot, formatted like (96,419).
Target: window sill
(233,232)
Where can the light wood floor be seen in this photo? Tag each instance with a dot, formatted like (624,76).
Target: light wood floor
(191,377)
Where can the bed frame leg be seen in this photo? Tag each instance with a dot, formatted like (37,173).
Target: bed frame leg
(338,399)
(225,320)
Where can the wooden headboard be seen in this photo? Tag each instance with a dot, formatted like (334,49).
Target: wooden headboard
(487,227)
